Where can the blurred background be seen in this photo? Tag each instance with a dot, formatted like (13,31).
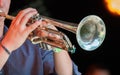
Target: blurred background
(74,11)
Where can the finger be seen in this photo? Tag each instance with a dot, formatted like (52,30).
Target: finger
(26,18)
(42,33)
(21,14)
(33,26)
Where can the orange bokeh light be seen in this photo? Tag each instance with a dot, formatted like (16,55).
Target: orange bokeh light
(113,6)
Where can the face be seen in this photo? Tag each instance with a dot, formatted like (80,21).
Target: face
(4,6)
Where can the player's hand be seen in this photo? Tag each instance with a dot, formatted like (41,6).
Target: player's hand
(18,31)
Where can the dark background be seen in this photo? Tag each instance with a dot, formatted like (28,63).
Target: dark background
(74,11)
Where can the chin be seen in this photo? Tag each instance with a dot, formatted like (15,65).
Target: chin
(2,19)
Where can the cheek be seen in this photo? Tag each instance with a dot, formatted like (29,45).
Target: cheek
(6,5)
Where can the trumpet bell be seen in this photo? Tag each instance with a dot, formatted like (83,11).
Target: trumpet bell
(91,32)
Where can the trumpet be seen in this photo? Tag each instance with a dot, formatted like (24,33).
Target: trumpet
(90,32)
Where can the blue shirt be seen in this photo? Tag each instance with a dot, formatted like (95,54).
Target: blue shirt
(30,59)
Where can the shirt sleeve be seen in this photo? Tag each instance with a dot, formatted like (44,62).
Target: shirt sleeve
(49,67)
(1,72)
(75,69)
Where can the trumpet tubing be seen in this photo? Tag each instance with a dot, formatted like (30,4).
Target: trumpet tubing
(90,32)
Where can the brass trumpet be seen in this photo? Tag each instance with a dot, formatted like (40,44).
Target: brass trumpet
(90,32)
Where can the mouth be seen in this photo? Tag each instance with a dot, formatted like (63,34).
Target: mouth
(2,14)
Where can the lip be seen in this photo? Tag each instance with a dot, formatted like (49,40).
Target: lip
(1,10)
(1,18)
(2,14)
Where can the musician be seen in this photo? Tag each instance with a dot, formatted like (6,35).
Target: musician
(18,56)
